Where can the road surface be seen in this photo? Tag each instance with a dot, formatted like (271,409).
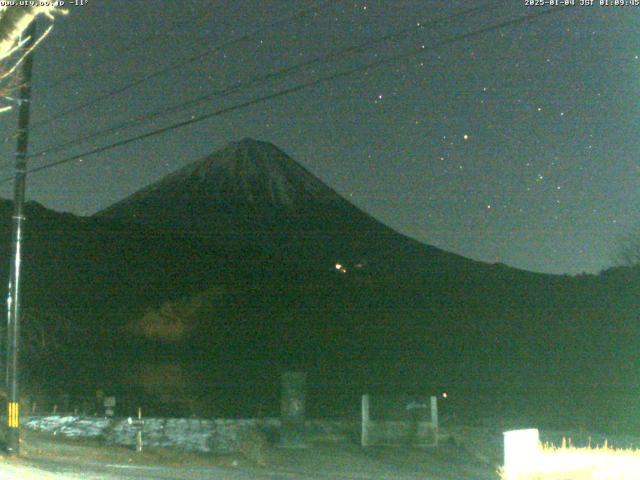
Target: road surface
(63,470)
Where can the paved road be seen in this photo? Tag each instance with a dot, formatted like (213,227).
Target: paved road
(67,470)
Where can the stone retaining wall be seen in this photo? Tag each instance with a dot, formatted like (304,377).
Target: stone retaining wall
(200,435)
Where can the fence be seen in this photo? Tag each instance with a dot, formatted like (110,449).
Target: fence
(222,402)
(83,405)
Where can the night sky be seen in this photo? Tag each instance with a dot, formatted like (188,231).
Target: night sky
(517,146)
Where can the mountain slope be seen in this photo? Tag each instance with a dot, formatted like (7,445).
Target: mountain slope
(250,192)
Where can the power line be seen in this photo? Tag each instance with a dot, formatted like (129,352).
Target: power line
(177,65)
(257,80)
(297,88)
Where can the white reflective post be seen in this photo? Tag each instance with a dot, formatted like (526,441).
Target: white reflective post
(521,450)
(364,438)
(434,418)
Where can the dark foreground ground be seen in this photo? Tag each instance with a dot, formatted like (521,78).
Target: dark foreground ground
(467,454)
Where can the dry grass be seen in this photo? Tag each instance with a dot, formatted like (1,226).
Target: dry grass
(579,463)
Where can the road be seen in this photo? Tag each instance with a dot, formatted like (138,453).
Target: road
(59,470)
(66,470)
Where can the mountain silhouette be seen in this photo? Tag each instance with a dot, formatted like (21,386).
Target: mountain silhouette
(252,193)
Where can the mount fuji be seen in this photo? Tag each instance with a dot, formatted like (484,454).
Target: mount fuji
(252,193)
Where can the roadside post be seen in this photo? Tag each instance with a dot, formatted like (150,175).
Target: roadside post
(366,418)
(434,418)
(292,410)
(138,425)
(109,406)
(521,450)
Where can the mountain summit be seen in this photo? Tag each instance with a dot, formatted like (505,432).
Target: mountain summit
(245,178)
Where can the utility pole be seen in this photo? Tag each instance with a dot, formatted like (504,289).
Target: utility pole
(13,300)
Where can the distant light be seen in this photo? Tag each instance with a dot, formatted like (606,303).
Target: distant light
(338,266)
(444,395)
(466,137)
(343,270)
